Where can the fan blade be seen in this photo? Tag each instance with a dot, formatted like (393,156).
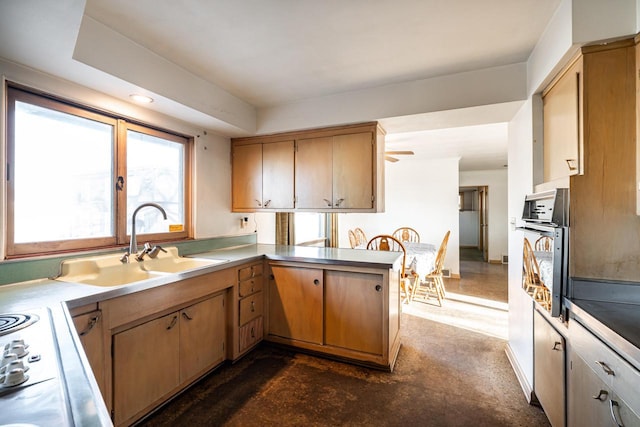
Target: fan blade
(390,159)
(400,153)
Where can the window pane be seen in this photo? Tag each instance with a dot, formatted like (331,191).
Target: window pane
(155,173)
(63,178)
(309,226)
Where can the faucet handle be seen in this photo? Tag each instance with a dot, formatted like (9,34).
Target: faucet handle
(155,250)
(125,257)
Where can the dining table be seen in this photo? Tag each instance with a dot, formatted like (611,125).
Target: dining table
(421,257)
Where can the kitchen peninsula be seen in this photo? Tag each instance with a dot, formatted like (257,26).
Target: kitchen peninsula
(358,316)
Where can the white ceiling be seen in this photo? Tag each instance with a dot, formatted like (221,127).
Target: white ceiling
(273,52)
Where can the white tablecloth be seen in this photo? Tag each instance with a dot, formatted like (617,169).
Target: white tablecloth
(421,257)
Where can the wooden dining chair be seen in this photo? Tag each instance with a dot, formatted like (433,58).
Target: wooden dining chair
(407,234)
(544,243)
(385,242)
(360,236)
(433,282)
(353,240)
(531,281)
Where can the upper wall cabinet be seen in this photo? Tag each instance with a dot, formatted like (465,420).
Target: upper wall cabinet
(337,169)
(262,176)
(335,172)
(563,124)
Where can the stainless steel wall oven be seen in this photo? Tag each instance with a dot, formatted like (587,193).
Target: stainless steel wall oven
(545,248)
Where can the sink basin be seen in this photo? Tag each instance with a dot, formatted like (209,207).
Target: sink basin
(170,262)
(104,270)
(108,270)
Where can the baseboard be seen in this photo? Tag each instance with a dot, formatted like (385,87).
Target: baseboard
(522,379)
(455,275)
(495,261)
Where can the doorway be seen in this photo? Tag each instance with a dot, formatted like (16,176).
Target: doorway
(474,225)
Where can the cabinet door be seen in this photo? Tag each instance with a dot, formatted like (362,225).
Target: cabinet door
(314,173)
(562,122)
(246,191)
(353,171)
(548,369)
(145,366)
(89,327)
(588,396)
(295,303)
(277,175)
(354,307)
(202,337)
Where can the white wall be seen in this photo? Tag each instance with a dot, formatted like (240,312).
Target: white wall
(520,184)
(469,228)
(421,194)
(212,170)
(496,180)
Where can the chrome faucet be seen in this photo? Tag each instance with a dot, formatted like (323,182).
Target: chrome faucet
(133,244)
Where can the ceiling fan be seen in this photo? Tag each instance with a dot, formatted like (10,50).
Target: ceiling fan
(388,155)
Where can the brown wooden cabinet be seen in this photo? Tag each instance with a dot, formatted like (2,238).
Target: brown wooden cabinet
(146,366)
(202,337)
(339,311)
(548,369)
(249,318)
(354,307)
(335,172)
(88,324)
(296,303)
(334,169)
(262,176)
(563,124)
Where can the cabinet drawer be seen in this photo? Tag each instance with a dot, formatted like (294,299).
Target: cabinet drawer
(607,364)
(250,271)
(248,287)
(250,308)
(250,334)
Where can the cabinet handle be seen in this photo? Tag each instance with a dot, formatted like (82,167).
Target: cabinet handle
(253,333)
(186,316)
(253,306)
(316,282)
(92,323)
(173,322)
(570,164)
(328,202)
(253,273)
(338,202)
(606,368)
(378,288)
(602,395)
(266,204)
(555,346)
(613,403)
(258,202)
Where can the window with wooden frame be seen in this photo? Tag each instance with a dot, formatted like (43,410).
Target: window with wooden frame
(75,175)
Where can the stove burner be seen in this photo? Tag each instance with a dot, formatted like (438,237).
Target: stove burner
(12,322)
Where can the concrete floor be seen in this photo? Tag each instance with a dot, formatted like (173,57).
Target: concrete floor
(451,371)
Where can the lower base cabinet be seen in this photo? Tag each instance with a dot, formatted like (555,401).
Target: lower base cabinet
(342,312)
(549,369)
(592,402)
(152,360)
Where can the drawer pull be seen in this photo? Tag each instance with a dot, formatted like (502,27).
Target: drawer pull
(555,346)
(253,333)
(605,368)
(253,306)
(92,323)
(602,395)
(173,322)
(613,403)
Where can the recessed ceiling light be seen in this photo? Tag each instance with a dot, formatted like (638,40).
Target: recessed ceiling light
(141,98)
